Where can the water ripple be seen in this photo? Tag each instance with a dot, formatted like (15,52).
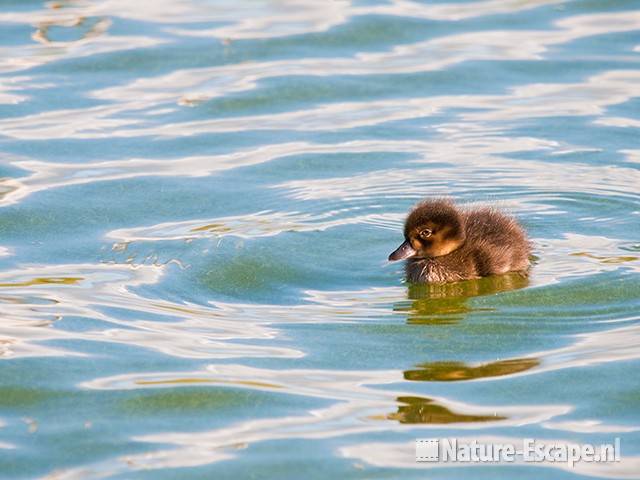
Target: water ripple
(36,298)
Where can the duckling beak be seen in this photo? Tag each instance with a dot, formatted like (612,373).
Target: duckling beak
(403,251)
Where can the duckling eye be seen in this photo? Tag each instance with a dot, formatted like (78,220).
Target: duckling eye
(426,233)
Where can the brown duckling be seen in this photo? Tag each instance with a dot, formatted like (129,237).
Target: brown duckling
(445,243)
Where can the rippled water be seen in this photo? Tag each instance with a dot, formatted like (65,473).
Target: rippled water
(198,198)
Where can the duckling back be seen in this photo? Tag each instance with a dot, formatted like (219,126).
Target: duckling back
(496,242)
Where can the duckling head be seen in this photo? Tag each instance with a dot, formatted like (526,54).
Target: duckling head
(432,229)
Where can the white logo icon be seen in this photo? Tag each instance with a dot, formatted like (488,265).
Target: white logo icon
(427,450)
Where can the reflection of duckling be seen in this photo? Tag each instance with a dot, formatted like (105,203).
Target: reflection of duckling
(425,410)
(459,371)
(447,244)
(445,303)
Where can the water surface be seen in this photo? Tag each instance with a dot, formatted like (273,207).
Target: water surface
(197,199)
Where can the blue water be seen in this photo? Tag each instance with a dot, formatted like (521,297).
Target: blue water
(196,206)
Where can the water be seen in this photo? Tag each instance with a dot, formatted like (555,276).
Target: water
(197,203)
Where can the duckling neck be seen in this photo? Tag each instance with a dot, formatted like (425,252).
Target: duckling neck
(430,269)
(446,248)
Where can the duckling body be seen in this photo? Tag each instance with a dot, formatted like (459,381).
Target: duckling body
(445,243)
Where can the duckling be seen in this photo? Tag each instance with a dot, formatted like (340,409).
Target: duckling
(445,243)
